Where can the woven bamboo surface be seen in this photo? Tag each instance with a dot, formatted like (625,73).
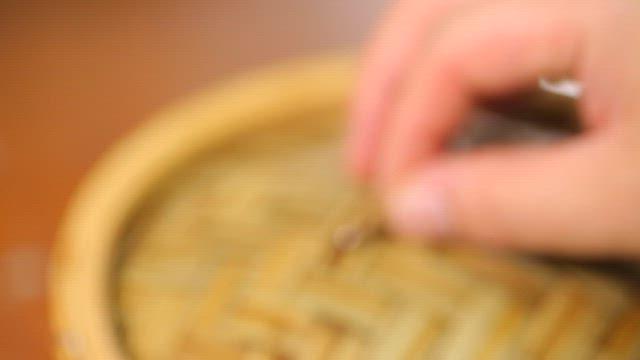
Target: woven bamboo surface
(262,250)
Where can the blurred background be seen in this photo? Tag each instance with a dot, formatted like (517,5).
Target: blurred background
(75,76)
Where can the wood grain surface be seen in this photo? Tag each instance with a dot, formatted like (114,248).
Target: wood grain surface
(75,76)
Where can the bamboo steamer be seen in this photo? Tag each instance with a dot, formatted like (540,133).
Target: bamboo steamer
(83,260)
(463,303)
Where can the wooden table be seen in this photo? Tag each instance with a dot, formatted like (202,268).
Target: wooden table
(74,76)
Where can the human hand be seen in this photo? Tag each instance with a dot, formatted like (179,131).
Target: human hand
(433,60)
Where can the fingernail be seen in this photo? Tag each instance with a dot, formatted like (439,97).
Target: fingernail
(420,209)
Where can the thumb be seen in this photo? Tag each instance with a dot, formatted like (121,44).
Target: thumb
(574,198)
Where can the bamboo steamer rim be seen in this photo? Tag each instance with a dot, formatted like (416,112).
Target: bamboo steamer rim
(115,187)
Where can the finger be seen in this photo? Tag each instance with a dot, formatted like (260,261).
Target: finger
(485,52)
(576,199)
(399,40)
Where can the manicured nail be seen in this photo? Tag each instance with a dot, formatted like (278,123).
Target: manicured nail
(420,209)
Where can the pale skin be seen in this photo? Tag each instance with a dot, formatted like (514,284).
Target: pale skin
(427,66)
